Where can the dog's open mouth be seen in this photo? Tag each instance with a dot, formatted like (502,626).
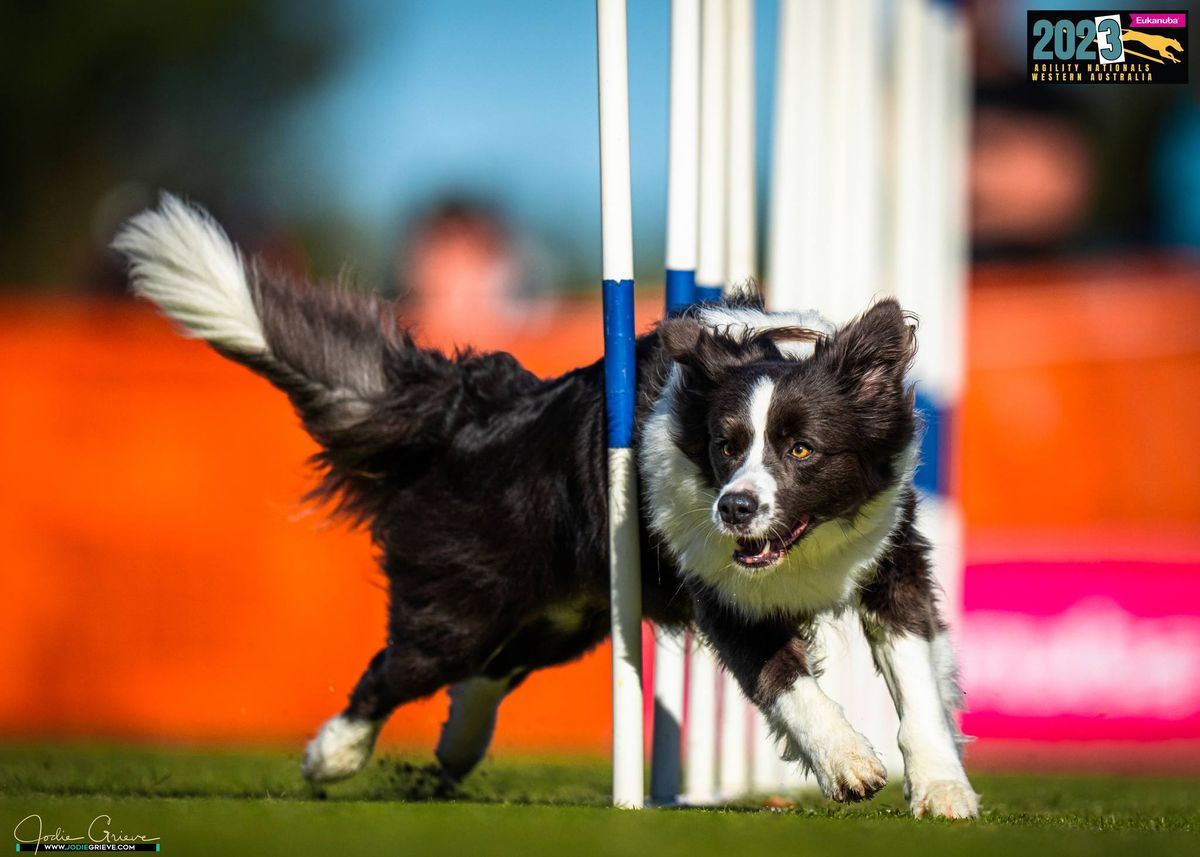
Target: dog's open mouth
(762,553)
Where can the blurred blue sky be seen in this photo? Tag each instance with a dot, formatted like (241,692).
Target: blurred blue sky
(497,100)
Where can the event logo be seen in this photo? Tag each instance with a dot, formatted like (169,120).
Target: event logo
(1107,47)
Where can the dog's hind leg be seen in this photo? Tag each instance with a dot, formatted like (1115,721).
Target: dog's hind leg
(345,742)
(396,675)
(467,732)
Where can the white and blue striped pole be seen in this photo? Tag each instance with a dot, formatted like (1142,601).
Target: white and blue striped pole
(683,158)
(798,236)
(714,140)
(683,174)
(620,375)
(797,226)
(741,263)
(930,251)
(940,365)
(700,740)
(741,270)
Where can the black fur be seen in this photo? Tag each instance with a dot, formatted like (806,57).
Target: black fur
(484,487)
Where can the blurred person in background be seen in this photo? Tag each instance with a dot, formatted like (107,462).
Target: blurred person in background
(466,279)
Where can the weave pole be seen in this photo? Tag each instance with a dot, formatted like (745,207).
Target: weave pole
(825,233)
(700,739)
(741,262)
(741,270)
(683,156)
(620,375)
(714,126)
(683,174)
(798,228)
(856,113)
(931,256)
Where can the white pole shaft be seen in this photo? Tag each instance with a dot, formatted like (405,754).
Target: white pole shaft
(910,160)
(742,262)
(853,108)
(798,230)
(683,176)
(734,769)
(625,591)
(714,118)
(683,163)
(766,766)
(920,204)
(616,206)
(666,764)
(935,292)
(616,218)
(958,75)
(700,772)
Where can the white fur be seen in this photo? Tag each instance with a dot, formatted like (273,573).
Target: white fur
(753,477)
(745,322)
(945,670)
(934,779)
(468,729)
(816,732)
(341,749)
(819,573)
(182,260)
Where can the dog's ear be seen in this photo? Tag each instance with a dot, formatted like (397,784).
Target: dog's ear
(872,354)
(705,356)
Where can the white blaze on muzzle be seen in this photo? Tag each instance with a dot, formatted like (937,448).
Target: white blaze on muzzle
(752,477)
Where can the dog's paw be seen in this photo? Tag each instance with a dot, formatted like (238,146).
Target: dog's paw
(850,771)
(943,799)
(340,750)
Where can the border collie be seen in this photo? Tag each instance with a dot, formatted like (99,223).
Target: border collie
(776,457)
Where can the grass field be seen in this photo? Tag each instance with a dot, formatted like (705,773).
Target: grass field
(254,802)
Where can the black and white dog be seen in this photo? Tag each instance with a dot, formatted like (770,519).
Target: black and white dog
(775,453)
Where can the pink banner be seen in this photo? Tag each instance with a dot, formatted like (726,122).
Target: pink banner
(1061,651)
(1158,19)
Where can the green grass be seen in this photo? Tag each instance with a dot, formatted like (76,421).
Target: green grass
(226,802)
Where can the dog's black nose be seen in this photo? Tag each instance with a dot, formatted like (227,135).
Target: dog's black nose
(737,508)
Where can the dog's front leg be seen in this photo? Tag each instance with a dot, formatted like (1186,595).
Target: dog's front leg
(911,647)
(770,660)
(934,779)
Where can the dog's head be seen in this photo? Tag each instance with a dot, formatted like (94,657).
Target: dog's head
(789,444)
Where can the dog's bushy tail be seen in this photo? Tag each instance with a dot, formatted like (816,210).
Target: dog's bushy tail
(359,384)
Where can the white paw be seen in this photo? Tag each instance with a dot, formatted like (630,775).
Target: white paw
(341,749)
(849,771)
(943,799)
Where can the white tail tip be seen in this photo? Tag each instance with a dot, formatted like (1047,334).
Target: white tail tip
(181,259)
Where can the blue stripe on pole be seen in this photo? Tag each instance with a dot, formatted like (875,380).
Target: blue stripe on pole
(933,471)
(708,294)
(620,374)
(681,290)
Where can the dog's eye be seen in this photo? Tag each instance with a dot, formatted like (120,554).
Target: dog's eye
(799,452)
(726,449)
